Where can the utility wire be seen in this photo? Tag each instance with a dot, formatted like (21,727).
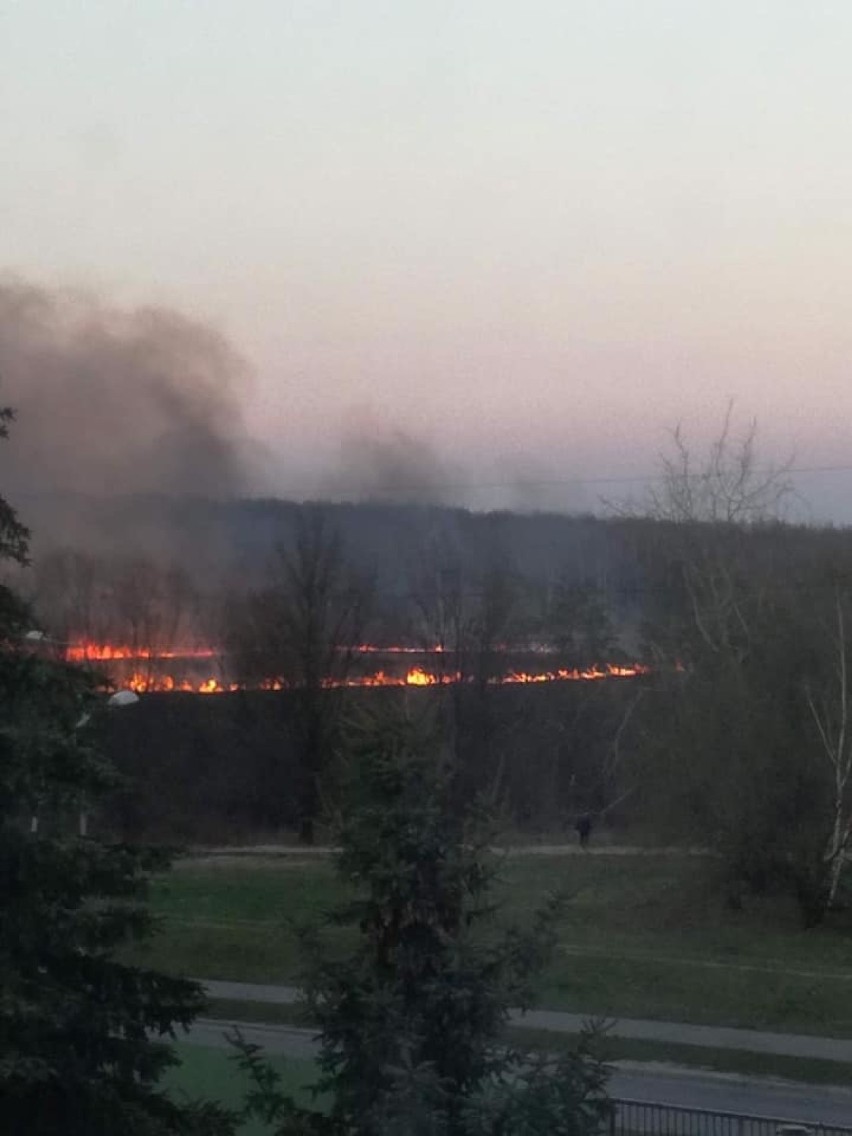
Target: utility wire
(594,479)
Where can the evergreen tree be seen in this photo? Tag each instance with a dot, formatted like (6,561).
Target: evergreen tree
(412,1022)
(84,1039)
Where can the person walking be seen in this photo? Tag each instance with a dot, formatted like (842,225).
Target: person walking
(584,829)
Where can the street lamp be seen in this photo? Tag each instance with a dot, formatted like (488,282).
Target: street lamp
(117,701)
(122,698)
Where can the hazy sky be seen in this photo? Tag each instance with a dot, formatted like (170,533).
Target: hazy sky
(531,235)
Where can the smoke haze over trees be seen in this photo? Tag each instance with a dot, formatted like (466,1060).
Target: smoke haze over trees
(386,464)
(115,401)
(118,402)
(118,407)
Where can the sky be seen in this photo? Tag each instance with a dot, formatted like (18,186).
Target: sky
(521,241)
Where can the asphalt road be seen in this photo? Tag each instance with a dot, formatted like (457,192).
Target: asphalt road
(680,1033)
(646,1082)
(233,853)
(781,1100)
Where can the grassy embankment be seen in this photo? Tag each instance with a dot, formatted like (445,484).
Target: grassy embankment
(644,936)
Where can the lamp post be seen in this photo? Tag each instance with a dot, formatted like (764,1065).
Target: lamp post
(118,701)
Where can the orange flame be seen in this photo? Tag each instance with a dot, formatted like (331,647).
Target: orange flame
(153,680)
(591,674)
(89,652)
(418,677)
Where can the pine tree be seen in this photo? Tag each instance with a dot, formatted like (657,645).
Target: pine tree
(84,1039)
(412,1022)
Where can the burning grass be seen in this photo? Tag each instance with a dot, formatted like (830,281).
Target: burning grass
(187,670)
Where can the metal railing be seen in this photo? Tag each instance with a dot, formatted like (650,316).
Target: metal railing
(640,1118)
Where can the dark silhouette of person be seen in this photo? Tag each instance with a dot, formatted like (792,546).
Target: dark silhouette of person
(584,829)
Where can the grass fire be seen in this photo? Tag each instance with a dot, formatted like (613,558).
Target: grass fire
(187,670)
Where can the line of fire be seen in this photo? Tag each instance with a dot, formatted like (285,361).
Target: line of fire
(207,670)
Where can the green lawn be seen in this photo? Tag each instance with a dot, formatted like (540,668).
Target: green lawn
(210,1074)
(643,936)
(206,1073)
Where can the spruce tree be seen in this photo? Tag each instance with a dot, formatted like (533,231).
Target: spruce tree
(413,1021)
(84,1039)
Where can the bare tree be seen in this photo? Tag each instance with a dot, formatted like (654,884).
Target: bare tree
(830,710)
(704,510)
(614,789)
(302,629)
(440,607)
(473,619)
(129,601)
(71,595)
(729,486)
(733,634)
(702,507)
(577,623)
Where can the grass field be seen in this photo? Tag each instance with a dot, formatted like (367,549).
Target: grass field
(210,1074)
(643,936)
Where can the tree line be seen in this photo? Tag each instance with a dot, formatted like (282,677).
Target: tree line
(737,739)
(412,1025)
(740,740)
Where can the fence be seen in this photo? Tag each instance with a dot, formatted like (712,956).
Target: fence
(638,1118)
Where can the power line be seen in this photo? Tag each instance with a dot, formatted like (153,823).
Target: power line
(594,479)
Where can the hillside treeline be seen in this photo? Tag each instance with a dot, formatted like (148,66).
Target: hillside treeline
(739,737)
(165,570)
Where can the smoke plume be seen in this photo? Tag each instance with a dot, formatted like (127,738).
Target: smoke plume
(116,402)
(378,463)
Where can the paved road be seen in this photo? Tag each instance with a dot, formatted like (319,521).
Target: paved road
(659,1083)
(227,854)
(708,1037)
(781,1100)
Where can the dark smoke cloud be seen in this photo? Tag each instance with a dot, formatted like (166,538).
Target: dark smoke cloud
(378,463)
(116,402)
